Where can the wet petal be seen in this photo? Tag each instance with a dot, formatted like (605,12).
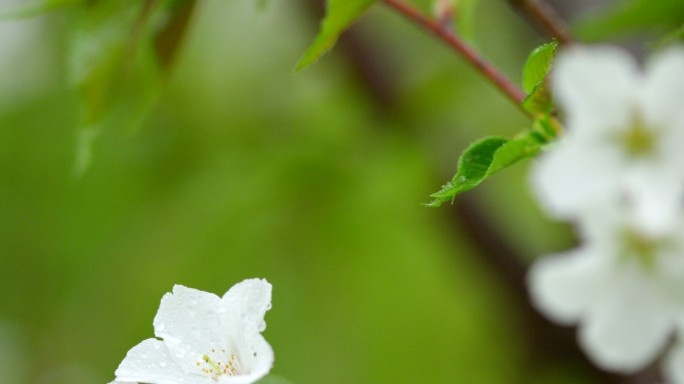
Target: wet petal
(188,321)
(258,361)
(150,362)
(249,299)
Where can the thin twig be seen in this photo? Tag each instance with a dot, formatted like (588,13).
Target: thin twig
(510,89)
(547,18)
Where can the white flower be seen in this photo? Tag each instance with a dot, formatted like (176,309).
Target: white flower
(206,339)
(624,140)
(622,288)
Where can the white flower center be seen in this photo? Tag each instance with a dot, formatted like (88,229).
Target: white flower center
(226,364)
(639,139)
(643,249)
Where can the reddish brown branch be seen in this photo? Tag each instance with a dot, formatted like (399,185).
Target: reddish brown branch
(446,35)
(547,18)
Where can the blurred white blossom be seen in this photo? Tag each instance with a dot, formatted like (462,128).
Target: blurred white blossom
(205,339)
(624,140)
(623,288)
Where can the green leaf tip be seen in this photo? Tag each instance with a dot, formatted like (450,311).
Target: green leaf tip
(340,15)
(484,158)
(537,65)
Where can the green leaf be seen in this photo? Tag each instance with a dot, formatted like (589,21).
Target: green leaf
(486,157)
(539,101)
(537,65)
(273,379)
(117,55)
(340,14)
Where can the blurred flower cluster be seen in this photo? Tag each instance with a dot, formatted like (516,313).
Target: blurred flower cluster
(618,174)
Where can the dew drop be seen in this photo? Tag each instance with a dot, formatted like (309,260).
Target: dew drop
(162,364)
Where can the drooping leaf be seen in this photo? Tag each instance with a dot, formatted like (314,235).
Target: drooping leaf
(632,17)
(118,53)
(170,34)
(340,14)
(537,65)
(273,379)
(486,157)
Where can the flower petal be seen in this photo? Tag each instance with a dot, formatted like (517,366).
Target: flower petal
(188,321)
(250,299)
(150,362)
(656,191)
(674,365)
(575,177)
(597,87)
(565,286)
(630,325)
(258,363)
(663,93)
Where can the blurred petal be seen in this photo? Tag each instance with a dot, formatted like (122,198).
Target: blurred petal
(188,321)
(150,362)
(628,328)
(663,94)
(565,286)
(574,177)
(597,87)
(657,194)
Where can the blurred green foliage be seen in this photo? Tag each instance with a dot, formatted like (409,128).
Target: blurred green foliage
(634,18)
(244,170)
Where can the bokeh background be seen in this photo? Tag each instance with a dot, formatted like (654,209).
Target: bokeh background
(311,180)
